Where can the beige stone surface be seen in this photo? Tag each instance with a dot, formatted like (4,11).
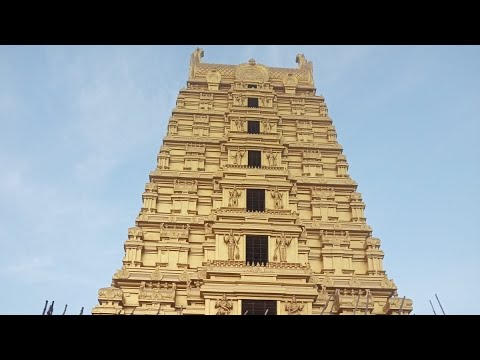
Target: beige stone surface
(186,252)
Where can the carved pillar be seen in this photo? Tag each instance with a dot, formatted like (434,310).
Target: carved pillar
(312,163)
(133,247)
(172,127)
(163,158)
(150,197)
(342,166)
(324,206)
(357,207)
(200,125)
(374,256)
(194,157)
(331,134)
(185,197)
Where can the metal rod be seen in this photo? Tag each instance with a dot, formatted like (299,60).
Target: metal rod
(331,309)
(266,312)
(159,308)
(45,308)
(434,313)
(440,304)
(135,308)
(246,312)
(356,305)
(401,306)
(326,305)
(64,310)
(50,309)
(366,308)
(81,311)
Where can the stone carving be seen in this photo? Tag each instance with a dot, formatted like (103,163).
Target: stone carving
(267,126)
(323,192)
(195,59)
(157,274)
(184,276)
(354,282)
(180,103)
(201,274)
(304,233)
(387,284)
(232,242)
(277,198)
(172,127)
(373,243)
(237,157)
(271,157)
(342,166)
(328,281)
(234,194)
(290,80)
(175,231)
(213,76)
(163,158)
(208,229)
(224,306)
(294,189)
(110,293)
(304,125)
(302,62)
(195,148)
(135,234)
(293,307)
(251,72)
(331,134)
(185,186)
(312,154)
(240,124)
(322,109)
(123,273)
(157,291)
(281,250)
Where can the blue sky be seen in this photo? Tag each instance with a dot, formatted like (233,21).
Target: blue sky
(81,127)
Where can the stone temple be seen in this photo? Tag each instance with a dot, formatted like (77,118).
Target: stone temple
(250,209)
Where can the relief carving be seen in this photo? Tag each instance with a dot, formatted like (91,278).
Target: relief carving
(277,198)
(281,250)
(293,307)
(234,194)
(271,157)
(237,156)
(224,306)
(232,242)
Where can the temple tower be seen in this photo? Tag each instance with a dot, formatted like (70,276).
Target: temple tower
(251,209)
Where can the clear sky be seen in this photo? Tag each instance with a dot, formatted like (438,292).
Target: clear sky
(81,127)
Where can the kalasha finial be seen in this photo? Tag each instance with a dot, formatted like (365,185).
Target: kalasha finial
(252,62)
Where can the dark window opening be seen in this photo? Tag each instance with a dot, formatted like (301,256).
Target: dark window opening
(256,249)
(254,127)
(251,86)
(253,102)
(259,307)
(254,158)
(255,200)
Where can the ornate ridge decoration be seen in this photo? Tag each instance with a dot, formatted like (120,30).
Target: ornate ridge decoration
(251,72)
(157,274)
(110,293)
(123,273)
(157,291)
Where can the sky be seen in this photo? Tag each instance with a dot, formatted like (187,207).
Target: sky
(81,126)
